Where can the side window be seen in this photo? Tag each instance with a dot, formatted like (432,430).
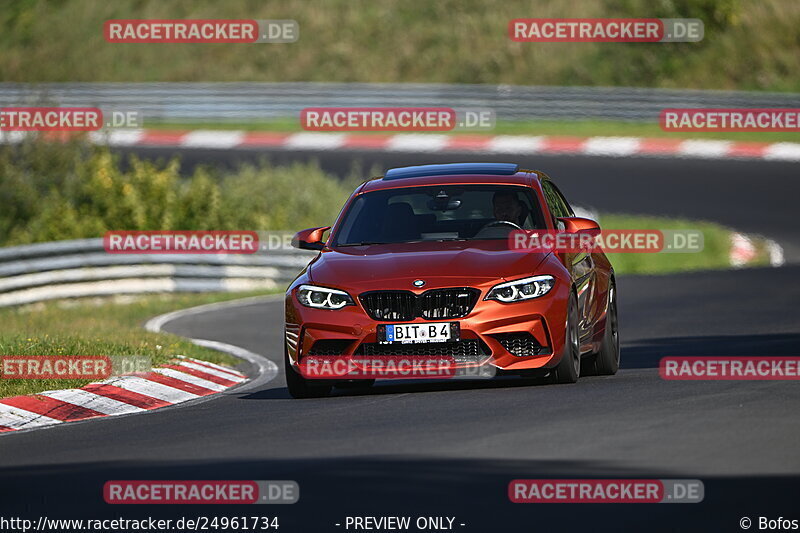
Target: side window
(570,212)
(555,203)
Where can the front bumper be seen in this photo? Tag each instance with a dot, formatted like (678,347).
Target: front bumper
(516,336)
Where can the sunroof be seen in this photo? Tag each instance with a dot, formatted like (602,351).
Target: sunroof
(498,169)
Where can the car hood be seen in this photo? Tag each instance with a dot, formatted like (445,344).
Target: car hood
(439,264)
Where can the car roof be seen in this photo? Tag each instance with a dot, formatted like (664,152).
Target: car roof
(451,174)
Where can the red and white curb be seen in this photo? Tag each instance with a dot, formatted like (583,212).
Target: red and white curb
(182,380)
(432,143)
(438,143)
(743,251)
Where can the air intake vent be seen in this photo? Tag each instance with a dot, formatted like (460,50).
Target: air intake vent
(465,351)
(521,344)
(330,347)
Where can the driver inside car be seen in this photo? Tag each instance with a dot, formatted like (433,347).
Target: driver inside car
(508,208)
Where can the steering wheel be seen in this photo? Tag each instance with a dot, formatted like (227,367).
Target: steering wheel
(500,223)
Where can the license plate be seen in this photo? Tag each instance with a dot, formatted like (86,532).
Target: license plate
(420,333)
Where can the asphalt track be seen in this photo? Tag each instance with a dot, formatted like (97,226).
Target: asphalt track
(451,448)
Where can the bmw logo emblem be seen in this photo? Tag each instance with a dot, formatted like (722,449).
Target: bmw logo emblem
(419,282)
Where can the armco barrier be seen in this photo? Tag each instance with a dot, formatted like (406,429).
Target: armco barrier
(76,268)
(237,102)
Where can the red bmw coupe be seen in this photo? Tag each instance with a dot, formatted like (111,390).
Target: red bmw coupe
(418,263)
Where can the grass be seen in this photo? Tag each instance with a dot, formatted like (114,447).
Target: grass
(571,128)
(98,326)
(747,45)
(715,254)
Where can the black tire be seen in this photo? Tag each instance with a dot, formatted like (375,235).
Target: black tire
(569,369)
(300,387)
(606,362)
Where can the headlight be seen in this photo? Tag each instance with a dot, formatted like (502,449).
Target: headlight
(323,297)
(521,289)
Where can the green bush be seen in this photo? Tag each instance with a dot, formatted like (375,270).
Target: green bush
(54,191)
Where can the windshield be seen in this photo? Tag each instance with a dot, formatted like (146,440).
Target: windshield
(438,213)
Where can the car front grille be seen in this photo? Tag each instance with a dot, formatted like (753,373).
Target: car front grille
(390,305)
(463,351)
(521,344)
(435,304)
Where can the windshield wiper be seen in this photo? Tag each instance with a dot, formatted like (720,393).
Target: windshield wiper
(365,243)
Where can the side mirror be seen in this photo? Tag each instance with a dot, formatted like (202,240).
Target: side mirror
(310,239)
(580,225)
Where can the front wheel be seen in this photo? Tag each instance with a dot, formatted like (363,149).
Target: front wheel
(569,369)
(300,387)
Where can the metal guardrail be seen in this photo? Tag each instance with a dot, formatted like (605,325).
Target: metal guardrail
(77,268)
(187,102)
